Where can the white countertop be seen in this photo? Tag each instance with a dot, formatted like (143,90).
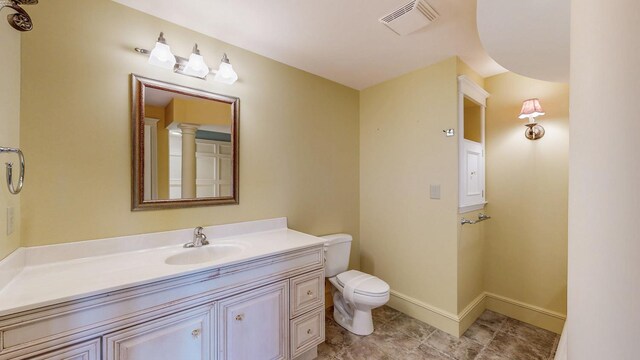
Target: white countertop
(41,276)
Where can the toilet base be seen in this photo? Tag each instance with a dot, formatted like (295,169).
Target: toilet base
(361,324)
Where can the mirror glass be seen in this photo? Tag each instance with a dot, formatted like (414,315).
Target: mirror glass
(185,146)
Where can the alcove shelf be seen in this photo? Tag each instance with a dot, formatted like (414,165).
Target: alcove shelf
(472,103)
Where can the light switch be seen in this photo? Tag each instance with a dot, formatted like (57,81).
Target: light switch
(10,221)
(434,191)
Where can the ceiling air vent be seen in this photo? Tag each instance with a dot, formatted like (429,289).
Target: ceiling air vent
(410,17)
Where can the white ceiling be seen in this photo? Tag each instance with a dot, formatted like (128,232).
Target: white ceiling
(529,37)
(340,40)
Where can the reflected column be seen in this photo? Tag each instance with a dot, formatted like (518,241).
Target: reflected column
(188,160)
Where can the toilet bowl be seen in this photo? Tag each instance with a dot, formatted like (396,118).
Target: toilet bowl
(355,293)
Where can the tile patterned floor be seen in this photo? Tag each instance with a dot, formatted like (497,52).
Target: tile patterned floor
(398,336)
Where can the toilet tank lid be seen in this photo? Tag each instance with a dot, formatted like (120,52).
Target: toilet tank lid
(336,238)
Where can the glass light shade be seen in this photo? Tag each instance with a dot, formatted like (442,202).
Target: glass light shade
(161,56)
(196,66)
(530,109)
(225,74)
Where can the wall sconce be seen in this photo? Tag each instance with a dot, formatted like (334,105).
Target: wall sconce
(531,108)
(194,66)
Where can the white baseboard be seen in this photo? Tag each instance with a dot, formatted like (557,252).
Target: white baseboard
(532,314)
(442,319)
(471,313)
(457,324)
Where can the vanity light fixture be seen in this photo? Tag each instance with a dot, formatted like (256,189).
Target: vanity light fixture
(531,109)
(195,66)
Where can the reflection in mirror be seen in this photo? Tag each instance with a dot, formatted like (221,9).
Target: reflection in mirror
(185,146)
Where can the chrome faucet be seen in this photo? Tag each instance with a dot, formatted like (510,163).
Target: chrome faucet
(199,239)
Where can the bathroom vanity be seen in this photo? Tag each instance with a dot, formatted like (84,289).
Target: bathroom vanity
(256,292)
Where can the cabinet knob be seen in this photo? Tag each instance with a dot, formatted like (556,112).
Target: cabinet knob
(309,292)
(309,331)
(195,333)
(239,317)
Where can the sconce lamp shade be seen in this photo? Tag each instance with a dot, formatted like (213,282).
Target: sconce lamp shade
(196,66)
(225,73)
(530,109)
(161,55)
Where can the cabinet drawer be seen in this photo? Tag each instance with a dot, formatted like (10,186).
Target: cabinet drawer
(88,350)
(307,331)
(307,292)
(185,335)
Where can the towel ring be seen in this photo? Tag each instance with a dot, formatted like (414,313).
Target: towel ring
(9,165)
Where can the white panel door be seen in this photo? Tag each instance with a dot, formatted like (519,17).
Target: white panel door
(472,179)
(213,168)
(185,335)
(255,325)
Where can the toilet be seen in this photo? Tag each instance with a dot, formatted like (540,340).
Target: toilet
(355,293)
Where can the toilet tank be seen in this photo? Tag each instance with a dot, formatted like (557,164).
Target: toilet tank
(336,253)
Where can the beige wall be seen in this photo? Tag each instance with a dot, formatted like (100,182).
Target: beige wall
(298,132)
(408,239)
(10,132)
(471,260)
(464,69)
(604,201)
(526,240)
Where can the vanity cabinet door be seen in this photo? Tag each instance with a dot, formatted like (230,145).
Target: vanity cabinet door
(89,350)
(255,325)
(185,335)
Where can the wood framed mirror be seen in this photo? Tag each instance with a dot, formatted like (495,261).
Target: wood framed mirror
(185,146)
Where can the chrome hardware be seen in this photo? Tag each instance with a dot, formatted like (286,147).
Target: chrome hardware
(199,239)
(309,331)
(239,317)
(20,20)
(533,131)
(9,165)
(195,333)
(309,293)
(481,217)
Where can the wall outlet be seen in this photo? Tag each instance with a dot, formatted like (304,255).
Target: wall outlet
(434,191)
(10,220)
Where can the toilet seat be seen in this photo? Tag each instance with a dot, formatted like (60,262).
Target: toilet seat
(354,281)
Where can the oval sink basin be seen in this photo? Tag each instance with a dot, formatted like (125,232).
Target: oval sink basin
(204,254)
